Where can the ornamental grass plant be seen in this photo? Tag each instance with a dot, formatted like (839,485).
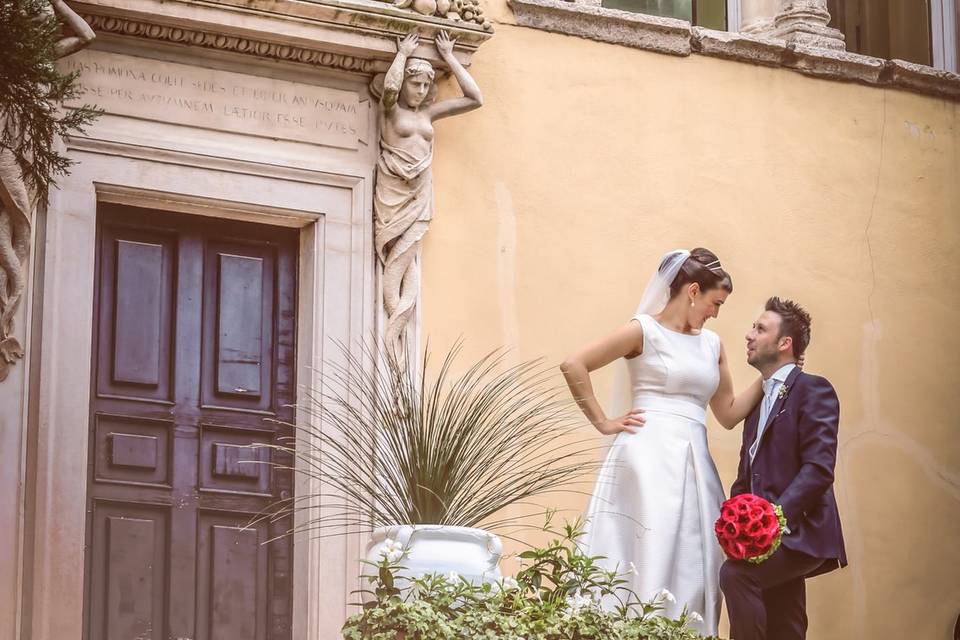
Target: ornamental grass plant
(389,444)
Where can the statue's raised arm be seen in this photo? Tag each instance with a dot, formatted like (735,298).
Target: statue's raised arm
(393,83)
(82,36)
(471,99)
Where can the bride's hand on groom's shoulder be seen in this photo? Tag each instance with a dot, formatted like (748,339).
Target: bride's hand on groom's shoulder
(629,423)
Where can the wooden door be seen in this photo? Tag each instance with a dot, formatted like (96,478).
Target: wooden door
(193,356)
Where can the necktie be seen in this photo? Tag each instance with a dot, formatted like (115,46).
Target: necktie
(765,405)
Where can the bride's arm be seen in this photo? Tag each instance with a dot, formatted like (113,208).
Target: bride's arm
(625,341)
(729,408)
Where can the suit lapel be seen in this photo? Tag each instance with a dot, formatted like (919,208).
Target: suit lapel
(750,426)
(778,405)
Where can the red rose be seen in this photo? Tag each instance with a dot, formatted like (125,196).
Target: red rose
(749,528)
(731,530)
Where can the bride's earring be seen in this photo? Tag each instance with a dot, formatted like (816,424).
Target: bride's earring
(692,303)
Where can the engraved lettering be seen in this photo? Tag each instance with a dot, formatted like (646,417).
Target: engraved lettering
(219,100)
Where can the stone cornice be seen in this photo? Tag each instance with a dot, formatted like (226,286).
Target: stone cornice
(358,37)
(236,44)
(678,37)
(664,35)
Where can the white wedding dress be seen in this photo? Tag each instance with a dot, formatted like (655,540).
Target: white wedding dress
(658,493)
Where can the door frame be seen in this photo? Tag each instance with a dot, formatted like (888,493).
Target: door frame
(336,303)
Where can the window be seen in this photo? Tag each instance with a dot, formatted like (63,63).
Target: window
(921,31)
(713,14)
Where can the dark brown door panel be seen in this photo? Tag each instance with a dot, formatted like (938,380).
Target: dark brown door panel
(193,363)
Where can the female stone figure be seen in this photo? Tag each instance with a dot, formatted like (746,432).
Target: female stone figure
(16,205)
(403,197)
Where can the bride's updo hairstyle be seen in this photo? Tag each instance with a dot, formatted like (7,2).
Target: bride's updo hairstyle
(703,267)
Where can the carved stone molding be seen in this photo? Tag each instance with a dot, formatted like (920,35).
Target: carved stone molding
(834,64)
(356,36)
(745,47)
(235,44)
(922,79)
(584,19)
(678,37)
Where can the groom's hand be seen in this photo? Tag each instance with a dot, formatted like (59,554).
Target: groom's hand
(628,423)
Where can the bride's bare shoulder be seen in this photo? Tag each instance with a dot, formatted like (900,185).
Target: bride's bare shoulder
(634,330)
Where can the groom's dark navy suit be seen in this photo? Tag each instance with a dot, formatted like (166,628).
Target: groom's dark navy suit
(793,467)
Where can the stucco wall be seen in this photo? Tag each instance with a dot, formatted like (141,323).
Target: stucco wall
(589,160)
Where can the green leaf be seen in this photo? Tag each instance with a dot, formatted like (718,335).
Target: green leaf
(386,577)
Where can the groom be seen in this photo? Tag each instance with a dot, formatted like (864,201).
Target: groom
(788,455)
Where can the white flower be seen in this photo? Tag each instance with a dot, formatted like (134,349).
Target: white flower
(453,577)
(392,550)
(510,583)
(664,594)
(579,601)
(696,617)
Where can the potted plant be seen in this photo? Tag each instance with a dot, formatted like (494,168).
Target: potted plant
(556,596)
(426,459)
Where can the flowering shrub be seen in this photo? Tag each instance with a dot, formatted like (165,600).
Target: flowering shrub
(555,596)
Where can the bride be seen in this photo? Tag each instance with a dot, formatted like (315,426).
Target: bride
(658,494)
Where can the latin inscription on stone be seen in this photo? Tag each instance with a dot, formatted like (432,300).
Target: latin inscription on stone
(215,99)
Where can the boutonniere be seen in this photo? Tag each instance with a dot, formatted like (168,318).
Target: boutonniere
(784,390)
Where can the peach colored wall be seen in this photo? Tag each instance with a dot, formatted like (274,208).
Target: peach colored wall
(589,160)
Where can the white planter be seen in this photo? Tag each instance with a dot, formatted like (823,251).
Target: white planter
(471,553)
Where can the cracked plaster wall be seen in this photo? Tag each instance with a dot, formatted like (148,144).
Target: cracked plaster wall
(589,160)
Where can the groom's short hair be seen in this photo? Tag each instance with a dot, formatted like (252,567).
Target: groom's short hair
(794,322)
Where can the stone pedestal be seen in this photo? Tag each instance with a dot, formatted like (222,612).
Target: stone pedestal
(805,22)
(757,16)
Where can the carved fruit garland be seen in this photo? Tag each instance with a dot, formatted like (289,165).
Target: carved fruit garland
(457,10)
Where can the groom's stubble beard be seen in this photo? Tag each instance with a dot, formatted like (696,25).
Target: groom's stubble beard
(761,358)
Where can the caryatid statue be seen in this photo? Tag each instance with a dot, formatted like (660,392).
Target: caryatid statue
(16,205)
(403,196)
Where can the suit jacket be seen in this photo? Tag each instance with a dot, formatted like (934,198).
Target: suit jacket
(794,464)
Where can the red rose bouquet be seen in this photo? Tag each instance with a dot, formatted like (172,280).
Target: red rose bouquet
(749,528)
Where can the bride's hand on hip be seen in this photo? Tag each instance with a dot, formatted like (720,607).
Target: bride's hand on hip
(628,423)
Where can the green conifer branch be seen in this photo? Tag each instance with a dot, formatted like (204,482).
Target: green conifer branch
(32,94)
